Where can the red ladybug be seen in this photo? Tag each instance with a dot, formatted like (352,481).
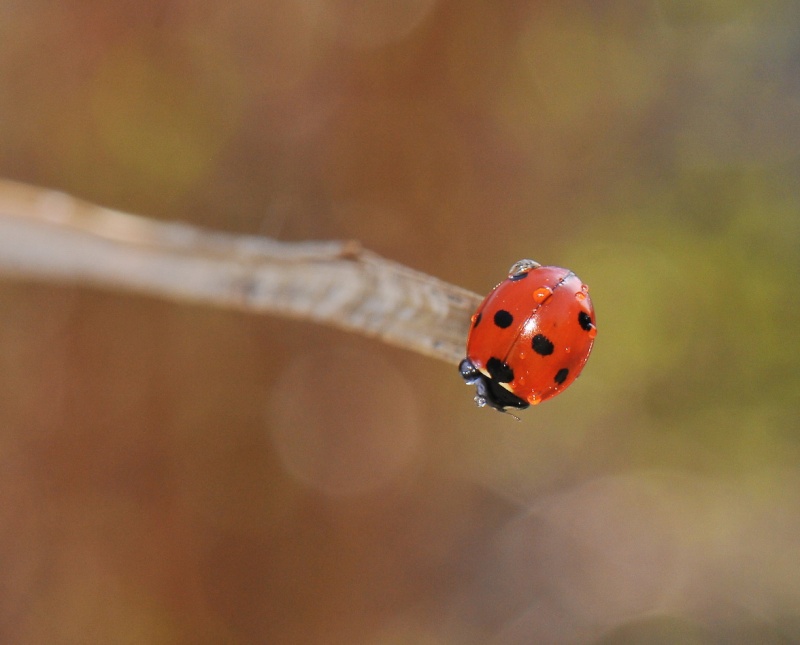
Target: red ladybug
(530,338)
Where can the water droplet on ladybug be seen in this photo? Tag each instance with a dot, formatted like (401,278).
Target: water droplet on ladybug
(522,266)
(542,294)
(592,332)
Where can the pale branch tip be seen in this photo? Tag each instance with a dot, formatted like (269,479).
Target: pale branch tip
(47,235)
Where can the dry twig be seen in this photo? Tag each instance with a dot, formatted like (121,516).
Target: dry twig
(51,236)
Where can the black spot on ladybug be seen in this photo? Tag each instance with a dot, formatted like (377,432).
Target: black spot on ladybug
(542,345)
(585,321)
(499,371)
(518,276)
(503,319)
(561,375)
(477,320)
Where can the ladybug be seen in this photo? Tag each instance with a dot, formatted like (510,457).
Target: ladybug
(530,338)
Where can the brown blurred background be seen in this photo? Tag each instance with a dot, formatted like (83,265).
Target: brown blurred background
(175,474)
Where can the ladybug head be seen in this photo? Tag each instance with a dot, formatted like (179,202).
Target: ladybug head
(489,391)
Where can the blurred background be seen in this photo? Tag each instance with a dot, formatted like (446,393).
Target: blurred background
(177,474)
